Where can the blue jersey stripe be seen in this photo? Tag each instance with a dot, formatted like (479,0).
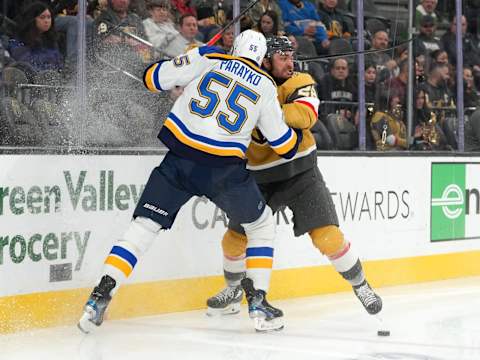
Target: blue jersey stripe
(260,251)
(183,150)
(203,50)
(155,76)
(224,144)
(282,139)
(124,254)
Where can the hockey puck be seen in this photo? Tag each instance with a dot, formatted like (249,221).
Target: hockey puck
(383,333)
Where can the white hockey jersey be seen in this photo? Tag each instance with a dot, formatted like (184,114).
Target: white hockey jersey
(224,99)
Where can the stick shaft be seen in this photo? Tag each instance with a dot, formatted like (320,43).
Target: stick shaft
(218,35)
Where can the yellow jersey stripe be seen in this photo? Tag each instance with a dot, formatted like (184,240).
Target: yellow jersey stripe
(170,125)
(259,263)
(120,264)
(286,147)
(149,78)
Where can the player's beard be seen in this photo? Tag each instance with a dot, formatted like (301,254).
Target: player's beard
(281,76)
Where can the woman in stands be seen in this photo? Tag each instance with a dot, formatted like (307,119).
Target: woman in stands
(428,133)
(268,24)
(226,41)
(35,42)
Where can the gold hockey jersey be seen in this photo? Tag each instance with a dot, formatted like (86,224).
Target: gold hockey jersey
(384,124)
(299,102)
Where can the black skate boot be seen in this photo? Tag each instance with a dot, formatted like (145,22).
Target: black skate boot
(226,302)
(264,315)
(370,301)
(97,304)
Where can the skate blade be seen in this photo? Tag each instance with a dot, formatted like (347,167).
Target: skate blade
(263,325)
(84,324)
(231,309)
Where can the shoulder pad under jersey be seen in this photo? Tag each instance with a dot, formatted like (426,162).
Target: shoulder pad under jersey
(299,85)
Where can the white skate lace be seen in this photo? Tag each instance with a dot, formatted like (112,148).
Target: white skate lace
(366,295)
(227,294)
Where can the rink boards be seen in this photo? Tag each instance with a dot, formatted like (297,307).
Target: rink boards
(411,219)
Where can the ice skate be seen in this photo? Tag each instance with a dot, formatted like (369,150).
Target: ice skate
(264,315)
(370,301)
(96,305)
(226,302)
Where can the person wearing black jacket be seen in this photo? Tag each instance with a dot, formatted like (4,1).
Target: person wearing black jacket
(338,86)
(335,22)
(471,53)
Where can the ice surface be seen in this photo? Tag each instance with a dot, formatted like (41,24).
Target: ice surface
(433,321)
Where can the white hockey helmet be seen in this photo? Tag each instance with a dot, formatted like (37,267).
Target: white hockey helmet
(251,45)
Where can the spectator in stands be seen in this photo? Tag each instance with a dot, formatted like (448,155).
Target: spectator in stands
(313,68)
(426,42)
(264,6)
(384,63)
(338,86)
(211,12)
(226,41)
(268,24)
(140,7)
(388,126)
(426,7)
(437,92)
(335,22)
(471,98)
(422,111)
(95,7)
(472,12)
(440,57)
(370,83)
(113,26)
(35,41)
(186,38)
(401,53)
(439,98)
(372,89)
(428,135)
(420,69)
(302,19)
(212,16)
(183,7)
(159,27)
(65,21)
(471,53)
(398,84)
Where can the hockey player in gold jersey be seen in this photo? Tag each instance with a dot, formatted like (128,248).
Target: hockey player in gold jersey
(296,183)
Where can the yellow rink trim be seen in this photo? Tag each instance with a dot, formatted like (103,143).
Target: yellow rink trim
(38,310)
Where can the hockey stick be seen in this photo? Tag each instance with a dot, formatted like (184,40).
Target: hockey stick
(218,35)
(351,53)
(119,69)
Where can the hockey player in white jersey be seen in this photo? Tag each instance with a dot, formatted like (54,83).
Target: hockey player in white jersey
(207,133)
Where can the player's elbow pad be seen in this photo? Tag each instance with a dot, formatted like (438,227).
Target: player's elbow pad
(151,78)
(290,154)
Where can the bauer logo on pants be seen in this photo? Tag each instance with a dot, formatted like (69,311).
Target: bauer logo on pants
(455,201)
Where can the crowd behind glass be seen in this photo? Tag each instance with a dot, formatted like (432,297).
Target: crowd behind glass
(39,54)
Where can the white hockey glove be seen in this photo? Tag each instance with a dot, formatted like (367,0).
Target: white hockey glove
(391,140)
